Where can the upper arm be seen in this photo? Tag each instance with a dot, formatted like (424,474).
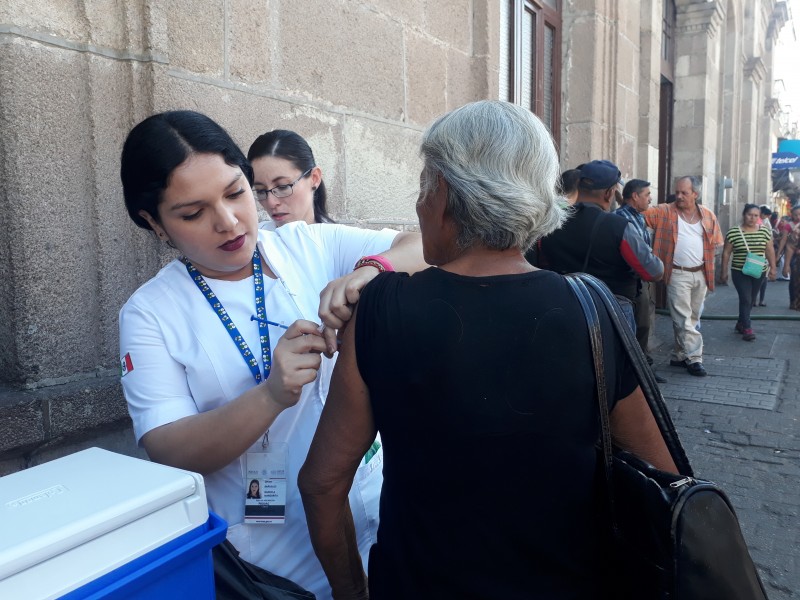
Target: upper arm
(346,428)
(155,384)
(639,255)
(347,244)
(634,428)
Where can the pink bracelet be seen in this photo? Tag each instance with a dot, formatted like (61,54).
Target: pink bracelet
(379,262)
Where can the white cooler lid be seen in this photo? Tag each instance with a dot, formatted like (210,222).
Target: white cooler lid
(54,507)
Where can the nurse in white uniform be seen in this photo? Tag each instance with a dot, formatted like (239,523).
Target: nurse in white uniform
(221,350)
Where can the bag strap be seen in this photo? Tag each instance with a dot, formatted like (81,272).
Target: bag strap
(592,235)
(644,373)
(744,239)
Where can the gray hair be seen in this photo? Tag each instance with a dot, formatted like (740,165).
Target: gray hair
(697,186)
(502,170)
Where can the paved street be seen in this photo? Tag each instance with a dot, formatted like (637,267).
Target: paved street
(741,424)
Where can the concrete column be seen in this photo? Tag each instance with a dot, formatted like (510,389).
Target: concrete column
(752,109)
(600,82)
(649,93)
(697,49)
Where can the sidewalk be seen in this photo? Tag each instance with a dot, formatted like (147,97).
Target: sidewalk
(740,425)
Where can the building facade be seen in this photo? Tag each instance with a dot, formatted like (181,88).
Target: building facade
(661,87)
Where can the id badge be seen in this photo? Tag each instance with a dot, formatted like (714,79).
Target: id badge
(265,486)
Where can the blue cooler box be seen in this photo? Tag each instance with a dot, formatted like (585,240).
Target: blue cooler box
(97,524)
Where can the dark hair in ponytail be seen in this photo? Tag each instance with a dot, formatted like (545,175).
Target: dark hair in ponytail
(291,146)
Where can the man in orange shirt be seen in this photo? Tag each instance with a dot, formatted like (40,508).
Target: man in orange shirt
(686,236)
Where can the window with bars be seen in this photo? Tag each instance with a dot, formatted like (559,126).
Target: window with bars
(530,57)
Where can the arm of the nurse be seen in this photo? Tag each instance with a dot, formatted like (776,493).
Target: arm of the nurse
(405,253)
(345,432)
(340,295)
(207,441)
(633,428)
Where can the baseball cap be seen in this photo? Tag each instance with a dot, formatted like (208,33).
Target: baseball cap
(599,175)
(634,185)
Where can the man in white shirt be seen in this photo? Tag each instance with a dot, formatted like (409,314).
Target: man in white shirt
(685,237)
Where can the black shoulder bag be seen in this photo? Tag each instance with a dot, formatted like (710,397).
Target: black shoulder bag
(672,537)
(237,579)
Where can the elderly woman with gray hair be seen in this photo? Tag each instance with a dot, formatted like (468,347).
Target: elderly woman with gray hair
(478,375)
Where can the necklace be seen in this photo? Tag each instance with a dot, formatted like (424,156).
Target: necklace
(695,218)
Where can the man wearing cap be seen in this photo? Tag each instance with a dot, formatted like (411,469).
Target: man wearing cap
(636,200)
(597,242)
(685,237)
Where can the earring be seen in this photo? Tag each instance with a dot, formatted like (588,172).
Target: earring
(313,188)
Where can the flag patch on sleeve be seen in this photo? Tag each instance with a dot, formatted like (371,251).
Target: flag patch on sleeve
(125,365)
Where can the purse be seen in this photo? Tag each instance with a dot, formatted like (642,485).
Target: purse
(754,264)
(672,537)
(237,579)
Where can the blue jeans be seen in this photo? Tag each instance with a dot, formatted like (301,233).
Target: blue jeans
(747,287)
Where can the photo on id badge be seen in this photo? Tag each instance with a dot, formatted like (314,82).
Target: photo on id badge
(265,487)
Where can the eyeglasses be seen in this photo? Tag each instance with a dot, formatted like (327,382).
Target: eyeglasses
(279,191)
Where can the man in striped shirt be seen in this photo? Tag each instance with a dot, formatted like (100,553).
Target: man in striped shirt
(686,236)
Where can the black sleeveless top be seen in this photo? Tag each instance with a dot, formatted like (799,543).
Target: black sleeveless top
(483,391)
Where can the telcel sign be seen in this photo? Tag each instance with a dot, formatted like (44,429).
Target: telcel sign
(787,156)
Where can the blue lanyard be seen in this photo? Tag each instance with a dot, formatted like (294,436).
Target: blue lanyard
(230,327)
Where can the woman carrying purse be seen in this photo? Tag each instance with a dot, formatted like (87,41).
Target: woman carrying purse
(752,252)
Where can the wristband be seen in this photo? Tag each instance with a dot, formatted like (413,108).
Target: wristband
(379,262)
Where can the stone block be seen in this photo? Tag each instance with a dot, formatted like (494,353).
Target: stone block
(628,61)
(584,95)
(408,13)
(49,190)
(426,71)
(21,422)
(351,56)
(486,29)
(451,22)
(51,17)
(383,167)
(117,25)
(465,79)
(12,465)
(84,405)
(118,439)
(581,143)
(250,40)
(196,30)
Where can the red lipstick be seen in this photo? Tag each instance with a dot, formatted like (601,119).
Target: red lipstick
(234,244)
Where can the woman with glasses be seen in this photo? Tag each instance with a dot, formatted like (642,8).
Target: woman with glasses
(286,179)
(489,432)
(221,349)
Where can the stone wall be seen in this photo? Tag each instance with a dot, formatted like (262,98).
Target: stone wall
(359,79)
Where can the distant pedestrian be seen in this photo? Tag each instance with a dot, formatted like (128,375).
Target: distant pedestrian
(766,222)
(791,266)
(685,237)
(569,184)
(741,242)
(636,199)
